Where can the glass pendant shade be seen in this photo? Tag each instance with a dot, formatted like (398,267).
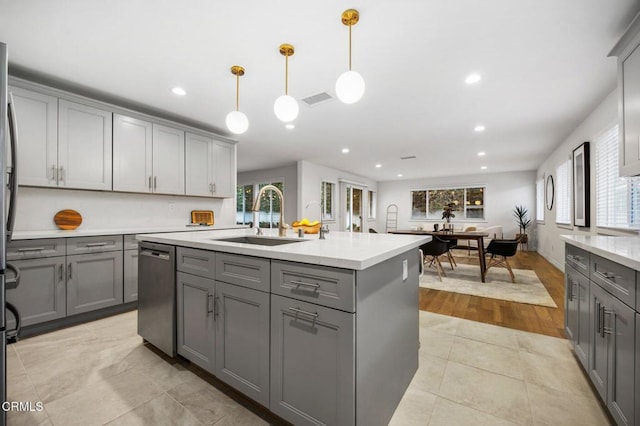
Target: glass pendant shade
(237,122)
(350,87)
(286,108)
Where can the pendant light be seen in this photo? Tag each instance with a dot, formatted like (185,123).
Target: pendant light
(237,122)
(286,107)
(350,85)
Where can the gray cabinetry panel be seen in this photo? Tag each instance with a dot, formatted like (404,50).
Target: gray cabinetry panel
(323,285)
(577,258)
(31,249)
(83,245)
(599,352)
(619,322)
(41,295)
(242,340)
(130,242)
(571,304)
(245,271)
(577,322)
(130,276)
(617,279)
(312,363)
(197,262)
(637,390)
(94,281)
(195,320)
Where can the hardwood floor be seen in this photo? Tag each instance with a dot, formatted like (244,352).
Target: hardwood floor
(520,316)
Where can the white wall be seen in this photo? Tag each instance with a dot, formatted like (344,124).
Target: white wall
(550,245)
(503,192)
(109,210)
(310,178)
(288,175)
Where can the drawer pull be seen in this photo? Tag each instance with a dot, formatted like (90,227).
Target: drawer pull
(31,249)
(606,275)
(304,284)
(300,311)
(96,244)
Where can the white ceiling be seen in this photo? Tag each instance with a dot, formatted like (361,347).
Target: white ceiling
(543,63)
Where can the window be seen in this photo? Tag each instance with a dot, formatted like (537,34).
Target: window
(372,204)
(563,193)
(244,202)
(617,198)
(327,191)
(540,199)
(429,203)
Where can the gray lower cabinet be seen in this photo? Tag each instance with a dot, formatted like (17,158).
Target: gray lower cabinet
(130,276)
(94,281)
(195,320)
(577,322)
(613,353)
(312,363)
(41,294)
(637,413)
(242,340)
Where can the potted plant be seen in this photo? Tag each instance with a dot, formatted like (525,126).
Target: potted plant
(447,212)
(521,214)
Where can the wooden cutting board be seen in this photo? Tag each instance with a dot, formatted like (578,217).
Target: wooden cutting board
(67,219)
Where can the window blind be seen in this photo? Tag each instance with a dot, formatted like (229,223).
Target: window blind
(540,199)
(617,198)
(563,193)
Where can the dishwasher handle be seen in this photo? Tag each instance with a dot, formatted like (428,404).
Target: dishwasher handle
(158,254)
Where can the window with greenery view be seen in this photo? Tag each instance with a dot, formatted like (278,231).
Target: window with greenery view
(563,196)
(372,204)
(269,214)
(429,204)
(244,202)
(327,192)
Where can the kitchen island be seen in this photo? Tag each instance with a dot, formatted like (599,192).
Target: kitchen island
(318,331)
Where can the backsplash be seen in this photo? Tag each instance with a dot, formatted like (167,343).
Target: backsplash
(109,210)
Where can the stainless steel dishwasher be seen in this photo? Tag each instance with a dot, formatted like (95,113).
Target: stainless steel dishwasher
(157,296)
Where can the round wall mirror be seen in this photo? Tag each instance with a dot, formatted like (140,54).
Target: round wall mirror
(550,192)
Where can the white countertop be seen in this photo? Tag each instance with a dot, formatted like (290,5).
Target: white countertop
(622,250)
(340,249)
(60,233)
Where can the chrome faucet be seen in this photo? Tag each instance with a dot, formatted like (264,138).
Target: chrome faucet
(322,230)
(282,227)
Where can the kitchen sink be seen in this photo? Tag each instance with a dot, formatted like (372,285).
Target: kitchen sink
(260,241)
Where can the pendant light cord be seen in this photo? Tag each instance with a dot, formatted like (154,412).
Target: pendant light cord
(286,74)
(238,92)
(350,47)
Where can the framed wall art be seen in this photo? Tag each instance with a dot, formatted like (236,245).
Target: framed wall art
(581,185)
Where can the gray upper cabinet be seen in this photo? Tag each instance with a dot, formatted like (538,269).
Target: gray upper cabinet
(242,340)
(132,154)
(84,146)
(628,52)
(195,320)
(168,160)
(94,281)
(224,169)
(312,363)
(38,132)
(41,294)
(210,167)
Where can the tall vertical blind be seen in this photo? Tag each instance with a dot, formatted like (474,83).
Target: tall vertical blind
(618,198)
(563,193)
(540,199)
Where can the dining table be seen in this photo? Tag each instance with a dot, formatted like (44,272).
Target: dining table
(455,235)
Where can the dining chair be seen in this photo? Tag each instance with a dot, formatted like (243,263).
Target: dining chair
(432,252)
(500,251)
(469,229)
(372,231)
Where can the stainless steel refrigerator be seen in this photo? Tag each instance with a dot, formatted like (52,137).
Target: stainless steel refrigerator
(9,275)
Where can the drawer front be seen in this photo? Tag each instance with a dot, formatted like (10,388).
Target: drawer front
(196,262)
(617,279)
(577,258)
(246,271)
(34,249)
(130,242)
(84,245)
(323,285)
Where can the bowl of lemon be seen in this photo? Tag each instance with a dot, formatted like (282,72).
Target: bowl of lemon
(309,227)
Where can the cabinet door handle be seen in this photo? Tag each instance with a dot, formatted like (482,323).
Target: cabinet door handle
(606,330)
(606,275)
(53,173)
(150,187)
(211,188)
(214,188)
(61,174)
(598,318)
(216,310)
(70,273)
(300,311)
(60,272)
(209,303)
(304,284)
(96,244)
(155,183)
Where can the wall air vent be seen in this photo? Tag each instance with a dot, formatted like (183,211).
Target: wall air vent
(410,157)
(316,99)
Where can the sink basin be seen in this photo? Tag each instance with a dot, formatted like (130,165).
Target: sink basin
(260,241)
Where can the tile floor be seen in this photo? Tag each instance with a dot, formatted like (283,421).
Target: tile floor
(470,374)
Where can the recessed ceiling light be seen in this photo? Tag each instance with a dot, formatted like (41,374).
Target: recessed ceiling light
(483,168)
(399,174)
(290,126)
(378,166)
(472,78)
(479,128)
(345,150)
(178,91)
(482,154)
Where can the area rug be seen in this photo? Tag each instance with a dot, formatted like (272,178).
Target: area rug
(465,279)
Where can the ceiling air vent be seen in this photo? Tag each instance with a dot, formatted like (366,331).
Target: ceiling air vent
(316,99)
(411,157)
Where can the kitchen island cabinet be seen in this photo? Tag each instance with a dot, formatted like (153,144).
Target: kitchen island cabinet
(331,304)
